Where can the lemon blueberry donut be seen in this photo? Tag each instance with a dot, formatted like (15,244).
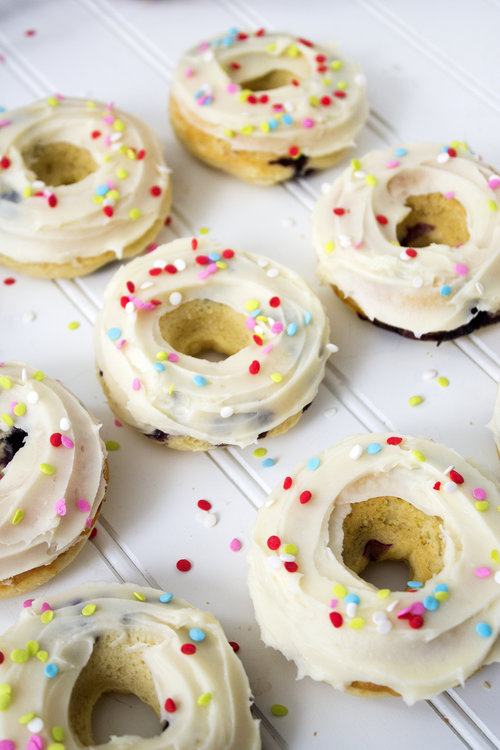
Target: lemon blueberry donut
(410,238)
(267,106)
(372,498)
(81,184)
(53,477)
(165,312)
(63,654)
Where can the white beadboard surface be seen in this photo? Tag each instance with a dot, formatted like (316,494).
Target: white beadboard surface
(432,70)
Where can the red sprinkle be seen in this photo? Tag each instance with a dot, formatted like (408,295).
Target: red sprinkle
(202,260)
(292,567)
(194,243)
(170,706)
(235,65)
(258,340)
(394,440)
(437,486)
(287,483)
(405,616)
(131,286)
(325,101)
(95,133)
(295,82)
(274,542)
(204,504)
(320,58)
(263,99)
(339,211)
(168,221)
(235,646)
(30,32)
(188,648)
(227,253)
(321,68)
(275,301)
(336,619)
(340,94)
(260,32)
(5,162)
(154,271)
(124,300)
(305,497)
(305,41)
(456,477)
(108,210)
(294,151)
(155,302)
(452,152)
(252,99)
(2,657)
(382,219)
(155,190)
(93,533)
(411,253)
(9,281)
(242,36)
(52,201)
(55,439)
(416,621)
(170,268)
(183,565)
(254,367)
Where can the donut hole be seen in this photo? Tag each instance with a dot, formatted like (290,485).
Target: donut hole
(10,444)
(262,73)
(388,528)
(433,219)
(205,329)
(59,163)
(115,666)
(118,714)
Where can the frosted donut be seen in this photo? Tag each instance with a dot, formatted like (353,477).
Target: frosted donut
(266,106)
(63,654)
(53,476)
(378,497)
(410,238)
(165,310)
(81,184)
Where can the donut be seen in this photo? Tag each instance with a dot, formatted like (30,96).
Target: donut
(377,497)
(410,239)
(53,476)
(81,184)
(165,312)
(64,654)
(266,106)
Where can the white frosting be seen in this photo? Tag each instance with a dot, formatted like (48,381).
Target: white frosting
(224,723)
(440,288)
(31,231)
(293,608)
(234,406)
(44,514)
(208,85)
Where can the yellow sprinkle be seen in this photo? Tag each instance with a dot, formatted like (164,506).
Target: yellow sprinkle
(134,213)
(98,199)
(58,734)
(20,409)
(122,174)
(252,305)
(262,318)
(370,179)
(455,144)
(271,47)
(171,390)
(327,81)
(19,655)
(247,130)
(39,375)
(383,593)
(495,555)
(56,746)
(336,64)
(27,192)
(140,597)
(5,382)
(418,455)
(313,101)
(88,610)
(342,85)
(5,700)
(293,51)
(42,655)
(277,377)
(130,153)
(355,164)
(119,125)
(259,452)
(442,596)
(204,699)
(47,469)
(339,590)
(204,230)
(32,647)
(161,356)
(481,505)
(229,133)
(443,382)
(46,617)
(278,710)
(290,549)
(113,194)
(264,126)
(493,205)
(124,150)
(329,247)
(52,101)
(106,157)
(17,517)
(26,718)
(73,325)
(357,623)
(243,95)
(220,264)
(7,419)
(112,445)
(91,105)
(415,400)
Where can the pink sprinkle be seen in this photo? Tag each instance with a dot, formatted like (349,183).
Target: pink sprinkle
(201,100)
(27,603)
(204,46)
(267,349)
(136,384)
(307,122)
(358,244)
(83,505)
(212,268)
(110,184)
(2,58)
(451,194)
(417,608)
(137,302)
(482,572)
(107,140)
(60,97)
(3,123)
(67,442)
(494,182)
(461,269)
(121,343)
(109,119)
(89,523)
(232,88)
(479,493)
(152,246)
(392,164)
(118,423)
(35,742)
(13,406)
(147,306)
(61,507)
(404,611)
(203,274)
(277,327)
(235,545)
(173,357)
(7,745)
(110,106)
(333,603)
(45,607)
(189,72)
(250,323)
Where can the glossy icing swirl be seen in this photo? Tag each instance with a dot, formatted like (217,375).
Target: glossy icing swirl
(54,485)
(153,386)
(435,289)
(66,629)
(460,604)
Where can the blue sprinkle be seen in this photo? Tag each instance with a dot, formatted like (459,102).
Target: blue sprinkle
(2,109)
(401,151)
(307,318)
(214,256)
(216,43)
(199,380)
(267,462)
(287,119)
(233,31)
(430,602)
(256,312)
(415,584)
(51,670)
(159,366)
(483,629)
(114,333)
(352,598)
(228,41)
(196,634)
(313,463)
(445,290)
(373,448)
(208,100)
(166,598)
(199,93)
(291,329)
(445,149)
(440,587)
(273,123)
(101,190)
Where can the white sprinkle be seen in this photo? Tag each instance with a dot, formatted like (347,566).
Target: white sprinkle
(360,174)
(450,468)
(379,616)
(210,519)
(64,424)
(345,240)
(443,157)
(35,725)
(180,264)
(429,374)
(263,262)
(479,288)
(288,106)
(350,609)
(330,412)
(146,285)
(23,375)
(325,188)
(108,202)
(130,307)
(273,561)
(333,348)
(226,412)
(259,330)
(360,79)
(384,627)
(162,169)
(356,452)
(32,397)
(288,222)
(115,146)
(160,263)
(286,557)
(393,605)
(497,576)
(403,255)
(208,56)
(115,137)
(418,282)
(175,298)
(29,316)
(272,273)
(38,184)
(450,487)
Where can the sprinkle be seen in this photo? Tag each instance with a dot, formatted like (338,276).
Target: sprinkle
(175,298)
(482,572)
(339,590)
(307,122)
(305,497)
(382,219)
(134,213)
(450,487)
(136,384)
(112,445)
(73,325)
(274,542)
(226,412)
(51,670)
(418,455)
(7,419)
(493,205)
(188,648)
(290,549)
(254,367)
(479,493)
(431,603)
(183,565)
(373,448)
(114,333)
(313,463)
(356,452)
(371,179)
(89,610)
(47,469)
(394,440)
(259,452)
(357,623)
(456,477)
(235,545)
(170,706)
(19,409)
(5,382)
(461,269)
(276,377)
(268,462)
(483,629)
(61,507)
(291,329)
(166,598)
(383,593)
(415,400)
(443,382)
(279,710)
(445,290)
